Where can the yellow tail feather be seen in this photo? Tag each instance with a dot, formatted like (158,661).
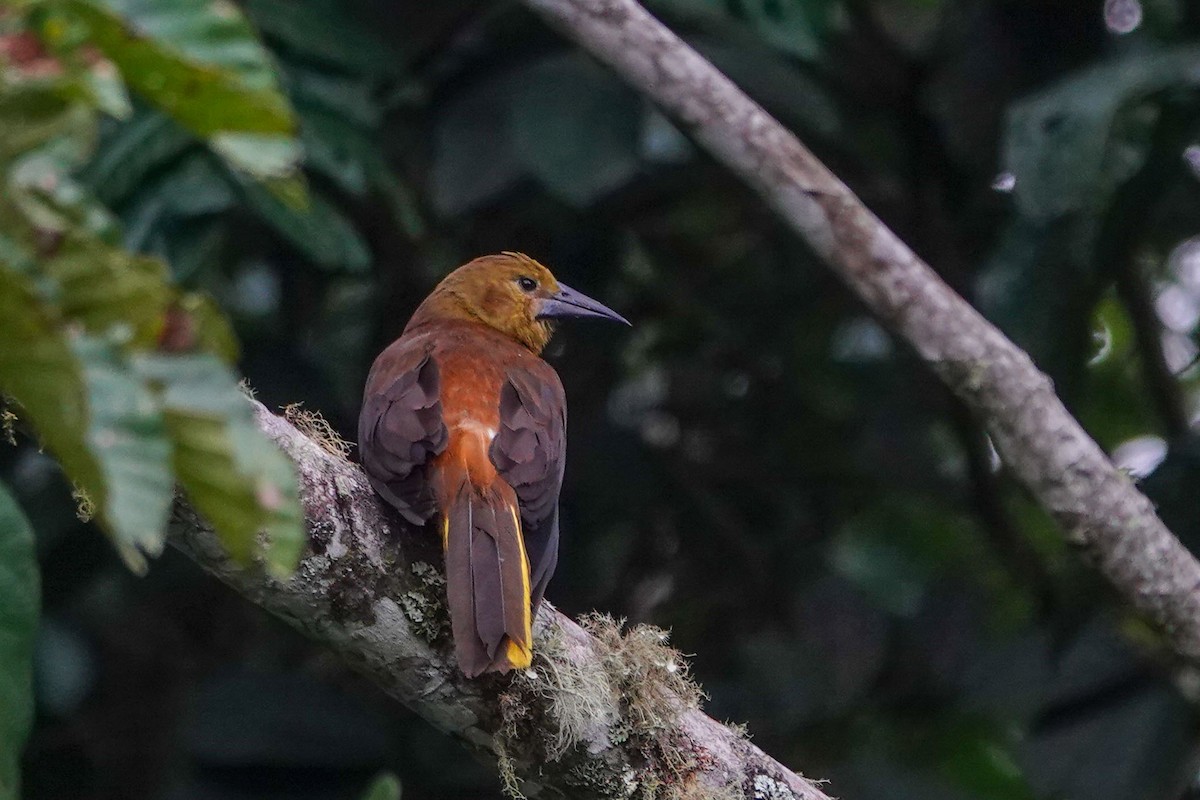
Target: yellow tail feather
(524,580)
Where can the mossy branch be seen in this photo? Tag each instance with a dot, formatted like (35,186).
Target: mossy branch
(603,713)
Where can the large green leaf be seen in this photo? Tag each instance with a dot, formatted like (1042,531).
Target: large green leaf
(787,91)
(126,437)
(893,552)
(195,185)
(338,124)
(582,149)
(101,423)
(236,477)
(794,27)
(337,149)
(967,751)
(45,133)
(1071,145)
(19,601)
(33,111)
(320,231)
(474,158)
(200,62)
(41,186)
(108,290)
(1037,286)
(130,152)
(322,30)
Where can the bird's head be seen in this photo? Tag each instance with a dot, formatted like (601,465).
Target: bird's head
(513,294)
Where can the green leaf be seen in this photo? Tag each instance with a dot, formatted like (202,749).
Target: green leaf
(967,751)
(794,27)
(1117,406)
(386,786)
(350,98)
(19,601)
(776,83)
(336,149)
(45,134)
(199,61)
(320,231)
(1034,286)
(108,290)
(107,90)
(33,111)
(101,424)
(339,121)
(41,185)
(257,153)
(322,30)
(474,159)
(977,757)
(212,331)
(1071,145)
(894,549)
(196,185)
(195,250)
(130,152)
(790,25)
(583,149)
(237,478)
(126,436)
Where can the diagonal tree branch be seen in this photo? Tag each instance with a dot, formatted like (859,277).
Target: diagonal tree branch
(601,714)
(1097,506)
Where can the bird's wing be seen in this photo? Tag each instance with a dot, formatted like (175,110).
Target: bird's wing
(401,428)
(529,452)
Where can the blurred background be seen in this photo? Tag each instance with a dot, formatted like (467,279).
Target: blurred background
(756,465)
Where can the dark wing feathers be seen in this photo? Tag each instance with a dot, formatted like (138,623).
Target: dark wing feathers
(529,452)
(400,429)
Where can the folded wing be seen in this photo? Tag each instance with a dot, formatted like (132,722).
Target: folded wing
(401,429)
(529,453)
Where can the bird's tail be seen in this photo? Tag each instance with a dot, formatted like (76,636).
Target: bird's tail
(487,579)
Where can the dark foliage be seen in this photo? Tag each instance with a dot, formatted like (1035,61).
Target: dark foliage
(757,466)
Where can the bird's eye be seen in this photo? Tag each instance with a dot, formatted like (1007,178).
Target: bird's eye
(526,284)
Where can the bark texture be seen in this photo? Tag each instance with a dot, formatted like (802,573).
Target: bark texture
(1096,505)
(602,713)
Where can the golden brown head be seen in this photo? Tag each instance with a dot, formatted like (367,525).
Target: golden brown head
(511,293)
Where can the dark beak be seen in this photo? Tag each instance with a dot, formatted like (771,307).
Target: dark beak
(567,303)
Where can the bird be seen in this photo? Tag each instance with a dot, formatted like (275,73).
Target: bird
(463,424)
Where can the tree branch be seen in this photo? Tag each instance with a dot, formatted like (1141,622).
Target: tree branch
(600,714)
(1097,506)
